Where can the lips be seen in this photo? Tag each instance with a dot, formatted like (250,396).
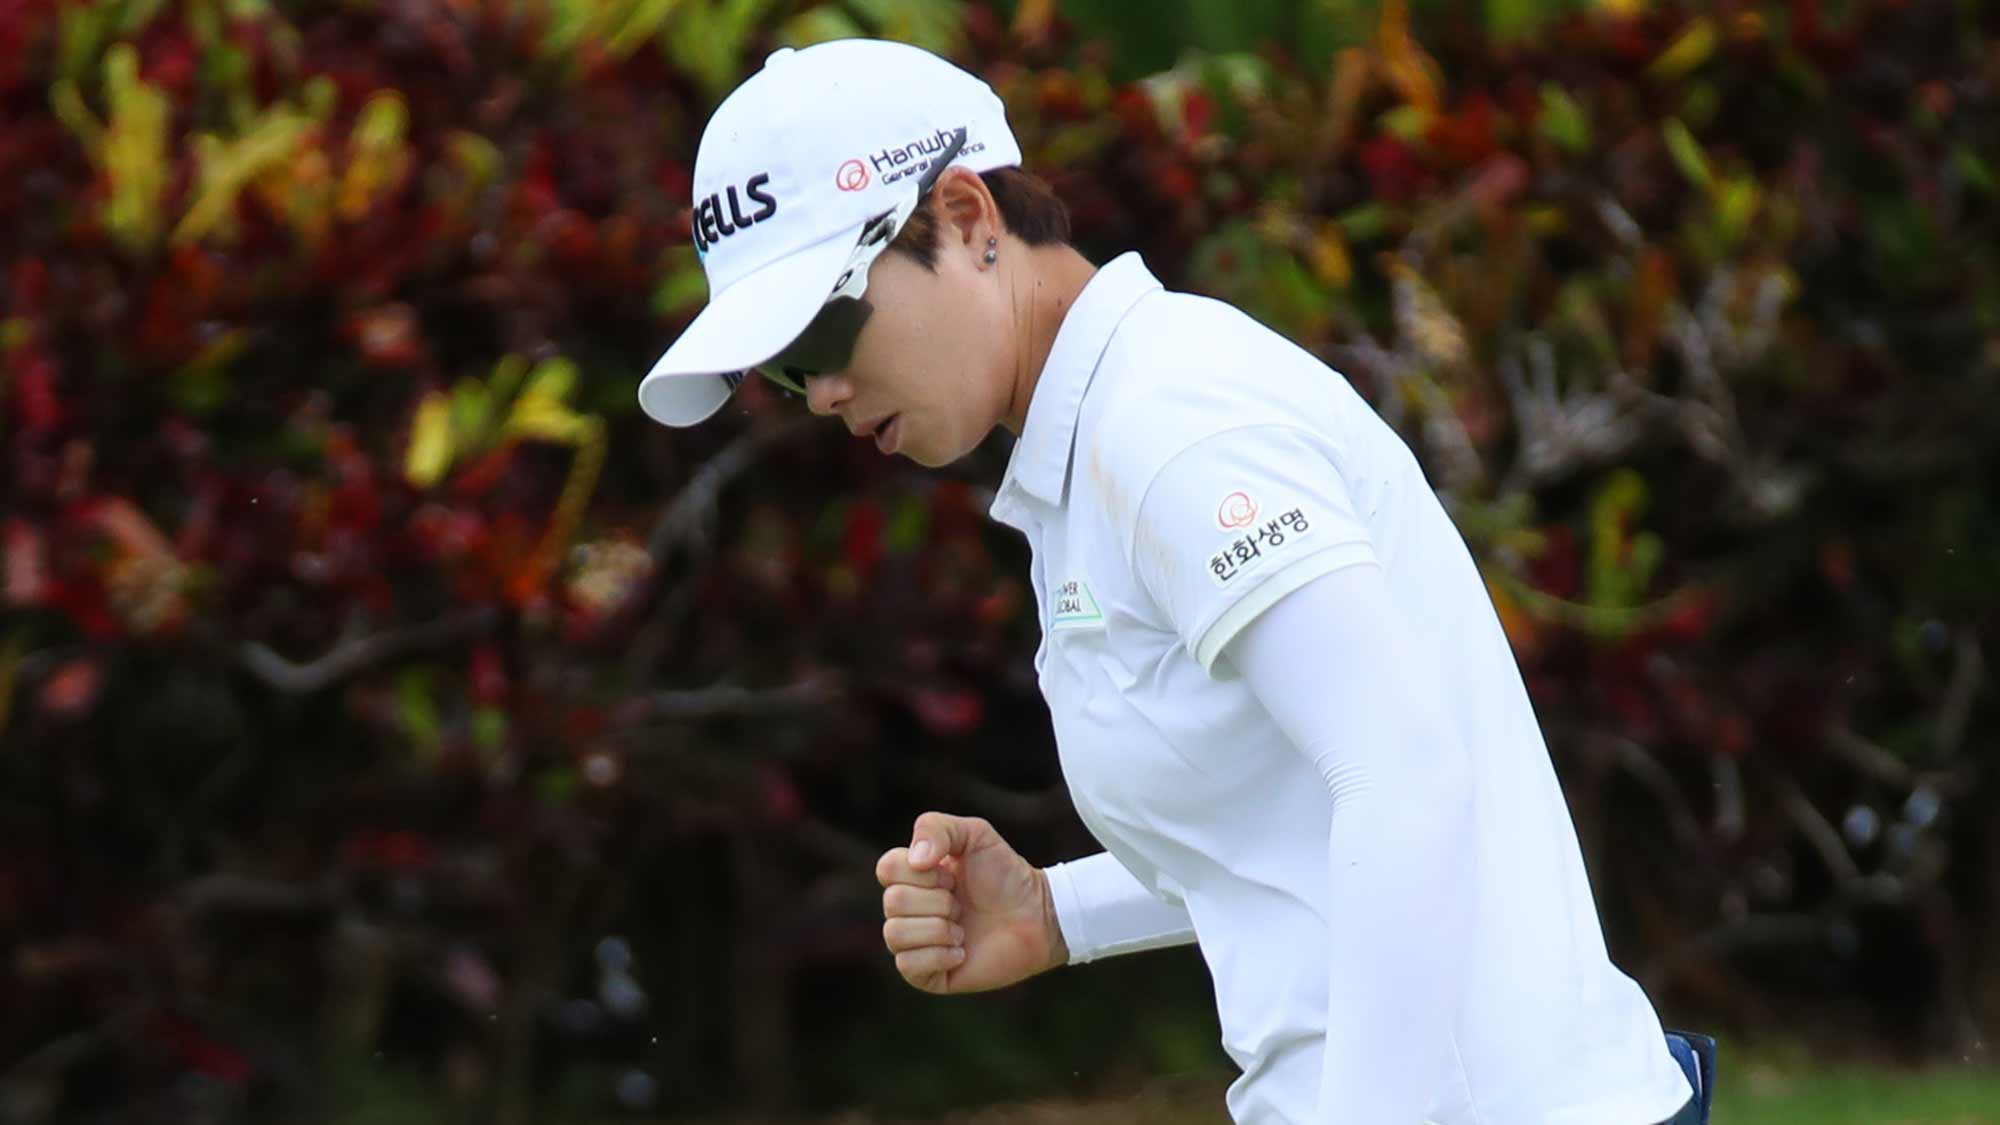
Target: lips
(888,434)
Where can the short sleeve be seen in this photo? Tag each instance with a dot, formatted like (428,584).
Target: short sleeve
(1236,521)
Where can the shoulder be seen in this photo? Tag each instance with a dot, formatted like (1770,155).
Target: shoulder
(1183,369)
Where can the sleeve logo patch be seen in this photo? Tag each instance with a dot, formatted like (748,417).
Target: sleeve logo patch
(1246,551)
(1237,510)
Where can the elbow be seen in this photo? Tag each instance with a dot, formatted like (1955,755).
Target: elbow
(1429,771)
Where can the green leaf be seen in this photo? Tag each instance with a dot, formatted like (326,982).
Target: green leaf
(227,168)
(1563,121)
(134,15)
(553,378)
(684,289)
(1735,206)
(471,413)
(557,786)
(1071,144)
(1583,317)
(1700,104)
(319,98)
(822,24)
(641,25)
(1367,222)
(1407,123)
(908,526)
(489,728)
(201,389)
(1616,581)
(478,157)
(1691,49)
(69,107)
(431,443)
(708,40)
(383,122)
(417,712)
(134,154)
(1973,170)
(505,381)
(1514,21)
(934,25)
(80,33)
(1687,153)
(569,24)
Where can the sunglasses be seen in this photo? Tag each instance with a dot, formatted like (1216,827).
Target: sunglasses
(827,344)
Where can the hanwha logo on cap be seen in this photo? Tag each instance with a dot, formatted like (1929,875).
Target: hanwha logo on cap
(853,176)
(1237,510)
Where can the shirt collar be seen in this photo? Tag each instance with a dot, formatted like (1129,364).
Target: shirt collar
(1041,458)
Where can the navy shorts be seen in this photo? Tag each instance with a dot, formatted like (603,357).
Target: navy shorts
(1696,1054)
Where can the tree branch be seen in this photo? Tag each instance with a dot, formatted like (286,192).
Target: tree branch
(1819,832)
(1966,676)
(685,516)
(724,701)
(351,657)
(1881,765)
(997,802)
(224,891)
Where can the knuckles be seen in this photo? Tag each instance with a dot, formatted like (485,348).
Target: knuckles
(886,867)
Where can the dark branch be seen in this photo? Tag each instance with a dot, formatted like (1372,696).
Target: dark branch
(352,657)
(729,701)
(685,515)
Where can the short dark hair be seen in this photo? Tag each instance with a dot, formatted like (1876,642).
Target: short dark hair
(1030,208)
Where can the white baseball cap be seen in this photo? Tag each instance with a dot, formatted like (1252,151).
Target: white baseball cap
(792,166)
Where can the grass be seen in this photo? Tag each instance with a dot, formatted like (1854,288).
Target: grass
(1755,1087)
(1766,1088)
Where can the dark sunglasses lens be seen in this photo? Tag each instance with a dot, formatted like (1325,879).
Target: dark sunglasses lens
(826,344)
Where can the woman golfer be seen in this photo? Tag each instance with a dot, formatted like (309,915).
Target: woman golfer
(1283,702)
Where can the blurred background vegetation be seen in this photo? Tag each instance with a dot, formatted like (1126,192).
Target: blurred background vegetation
(395,726)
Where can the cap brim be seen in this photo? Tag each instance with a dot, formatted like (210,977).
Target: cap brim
(743,326)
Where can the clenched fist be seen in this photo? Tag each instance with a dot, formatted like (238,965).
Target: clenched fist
(964,912)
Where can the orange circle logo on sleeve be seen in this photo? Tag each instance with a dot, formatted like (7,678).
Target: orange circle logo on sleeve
(853,176)
(1237,510)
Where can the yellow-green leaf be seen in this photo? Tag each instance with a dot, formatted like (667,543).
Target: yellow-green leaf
(1688,51)
(553,378)
(1687,153)
(641,25)
(418,713)
(134,152)
(1407,123)
(430,441)
(1563,121)
(226,168)
(1736,205)
(541,418)
(1328,256)
(471,413)
(1973,170)
(821,24)
(506,379)
(476,155)
(683,286)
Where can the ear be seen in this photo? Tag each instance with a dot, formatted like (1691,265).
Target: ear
(966,209)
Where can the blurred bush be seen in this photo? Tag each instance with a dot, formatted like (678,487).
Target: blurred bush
(390,715)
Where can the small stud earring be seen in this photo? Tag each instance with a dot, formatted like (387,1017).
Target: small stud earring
(992,255)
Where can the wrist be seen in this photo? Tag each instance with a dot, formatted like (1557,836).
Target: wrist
(1052,925)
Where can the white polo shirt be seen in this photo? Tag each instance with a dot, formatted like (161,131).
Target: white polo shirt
(1216,827)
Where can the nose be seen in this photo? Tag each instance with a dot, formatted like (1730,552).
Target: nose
(826,394)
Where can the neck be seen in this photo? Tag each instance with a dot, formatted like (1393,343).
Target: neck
(1044,288)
